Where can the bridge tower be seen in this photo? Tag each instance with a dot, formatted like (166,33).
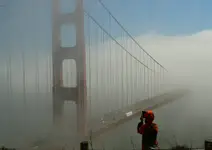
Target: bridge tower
(76,53)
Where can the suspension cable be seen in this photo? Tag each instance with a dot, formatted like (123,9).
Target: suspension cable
(116,41)
(100,1)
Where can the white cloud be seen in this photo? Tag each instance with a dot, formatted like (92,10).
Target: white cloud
(187,56)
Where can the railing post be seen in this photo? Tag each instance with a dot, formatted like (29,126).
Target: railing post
(208,144)
(84,145)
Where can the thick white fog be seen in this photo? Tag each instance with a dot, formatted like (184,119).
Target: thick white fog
(187,57)
(114,78)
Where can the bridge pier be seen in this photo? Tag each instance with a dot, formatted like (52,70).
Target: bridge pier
(76,53)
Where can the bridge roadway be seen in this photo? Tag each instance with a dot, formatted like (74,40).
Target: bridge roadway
(185,121)
(65,134)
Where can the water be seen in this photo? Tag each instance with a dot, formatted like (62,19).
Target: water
(185,121)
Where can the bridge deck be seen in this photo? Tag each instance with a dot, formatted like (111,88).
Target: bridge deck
(58,140)
(134,110)
(185,121)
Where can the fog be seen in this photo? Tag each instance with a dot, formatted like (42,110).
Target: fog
(183,73)
(187,57)
(115,79)
(185,121)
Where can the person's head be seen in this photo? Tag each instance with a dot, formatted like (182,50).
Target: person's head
(149,116)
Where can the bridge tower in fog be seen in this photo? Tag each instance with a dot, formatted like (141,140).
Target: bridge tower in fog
(76,53)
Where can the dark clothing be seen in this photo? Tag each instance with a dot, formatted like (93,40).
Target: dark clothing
(139,125)
(149,134)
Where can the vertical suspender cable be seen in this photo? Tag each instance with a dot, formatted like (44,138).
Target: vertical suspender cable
(115,100)
(131,76)
(51,78)
(110,70)
(164,85)
(103,72)
(135,77)
(159,79)
(144,74)
(156,79)
(117,72)
(153,90)
(122,76)
(89,74)
(47,74)
(10,77)
(155,84)
(127,78)
(163,81)
(160,85)
(97,69)
(137,71)
(24,78)
(36,72)
(101,83)
(107,79)
(125,74)
(148,77)
(157,76)
(138,67)
(141,80)
(24,70)
(10,90)
(152,77)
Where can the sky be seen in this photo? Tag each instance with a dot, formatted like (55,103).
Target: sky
(176,32)
(26,26)
(166,17)
(169,17)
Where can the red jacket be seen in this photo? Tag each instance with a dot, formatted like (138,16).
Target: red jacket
(149,133)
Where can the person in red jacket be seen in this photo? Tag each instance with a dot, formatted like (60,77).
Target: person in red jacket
(148,130)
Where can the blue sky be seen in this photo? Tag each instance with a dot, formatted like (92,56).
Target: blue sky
(26,24)
(138,16)
(163,16)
